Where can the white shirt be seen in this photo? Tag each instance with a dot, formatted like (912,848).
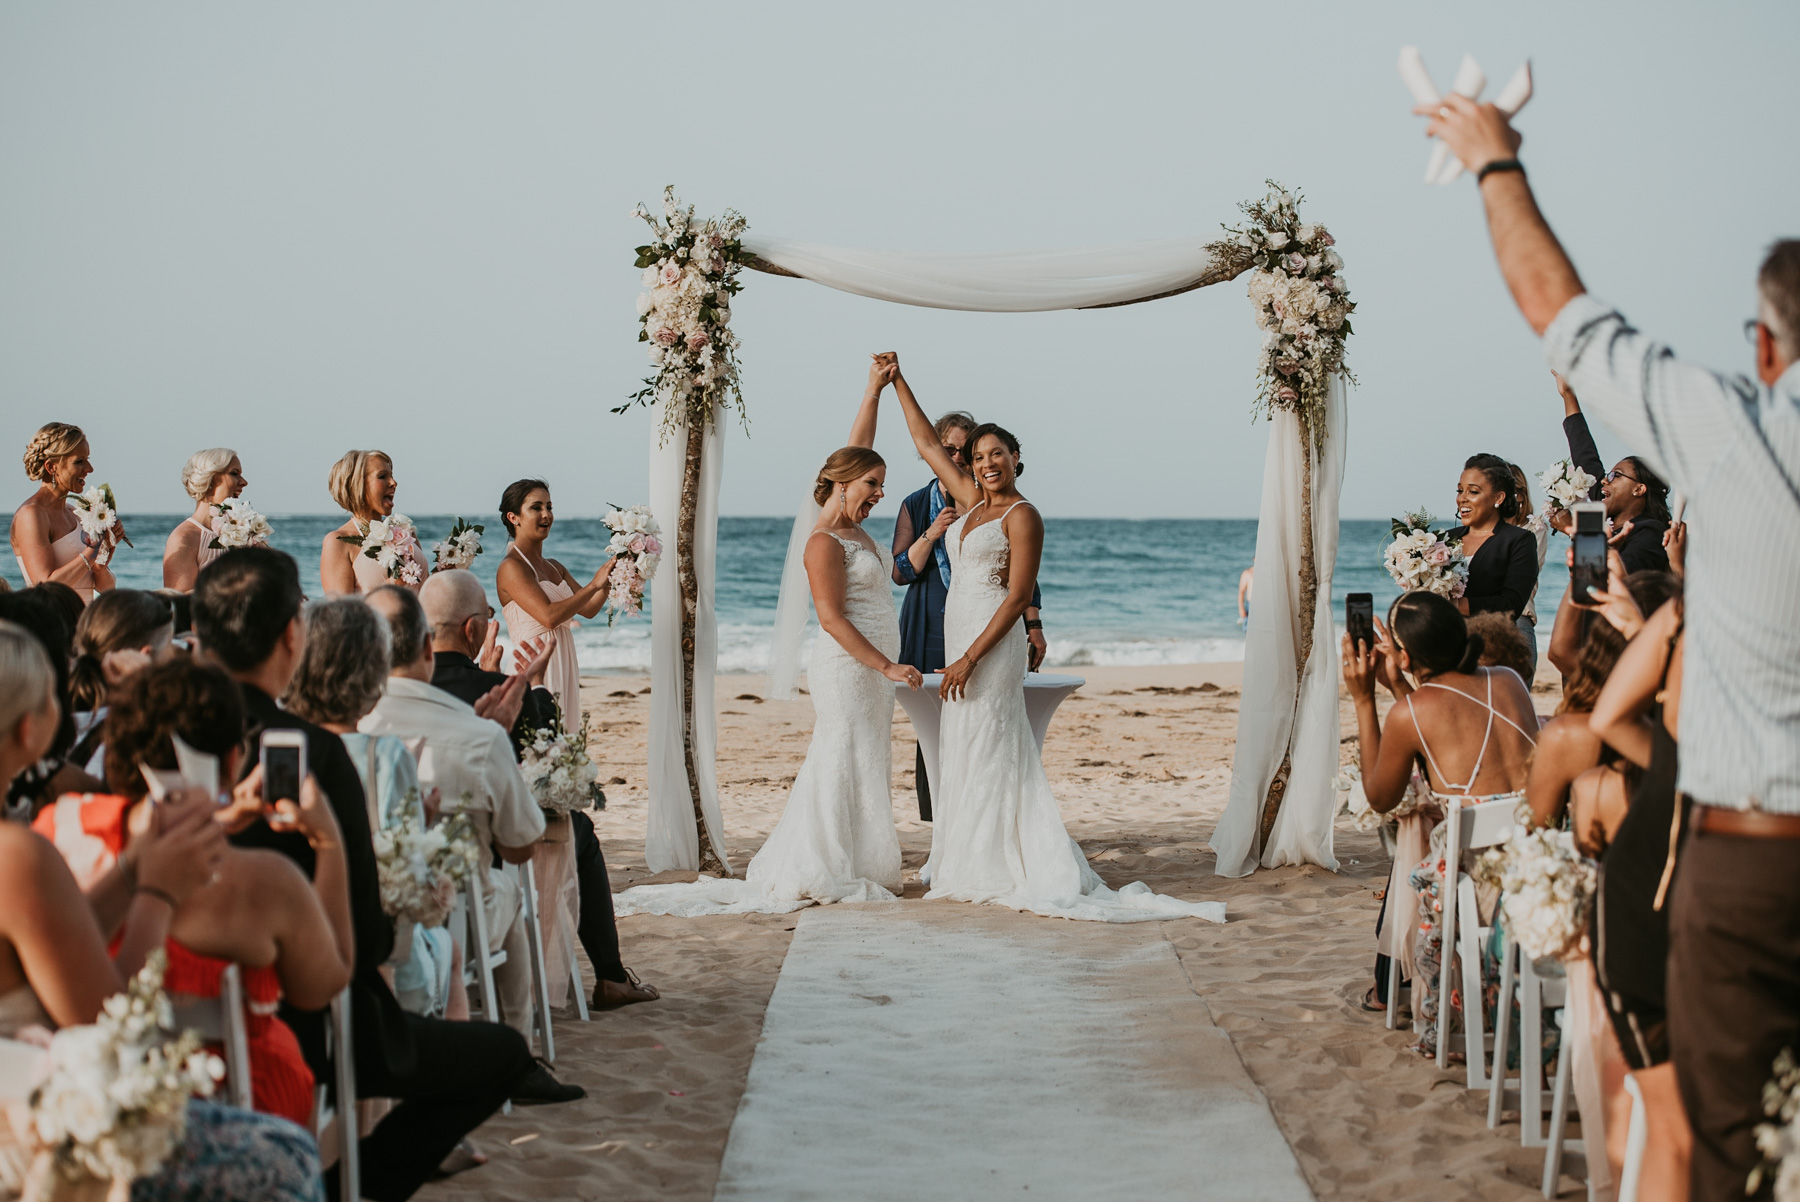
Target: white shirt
(1734,448)
(467,757)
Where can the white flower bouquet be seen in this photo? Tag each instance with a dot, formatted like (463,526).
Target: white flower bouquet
(1565,486)
(393,542)
(1302,303)
(1421,558)
(1779,1141)
(115,1103)
(1546,888)
(97,513)
(420,866)
(1363,816)
(562,776)
(690,275)
(236,524)
(460,548)
(637,550)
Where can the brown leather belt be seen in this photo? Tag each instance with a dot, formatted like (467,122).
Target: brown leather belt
(1746,824)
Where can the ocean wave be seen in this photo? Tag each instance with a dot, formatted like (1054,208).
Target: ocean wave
(624,649)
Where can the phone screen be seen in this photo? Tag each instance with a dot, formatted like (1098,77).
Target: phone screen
(1589,568)
(1359,618)
(281,772)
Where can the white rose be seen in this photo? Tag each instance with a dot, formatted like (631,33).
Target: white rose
(1277,239)
(645,302)
(1305,233)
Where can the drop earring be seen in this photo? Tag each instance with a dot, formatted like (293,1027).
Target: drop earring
(844,502)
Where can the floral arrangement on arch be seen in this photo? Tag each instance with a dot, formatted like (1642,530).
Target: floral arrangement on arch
(114,1106)
(235,524)
(690,271)
(1421,558)
(636,549)
(1302,304)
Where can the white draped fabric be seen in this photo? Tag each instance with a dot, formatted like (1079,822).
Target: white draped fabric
(670,840)
(1267,713)
(1017,282)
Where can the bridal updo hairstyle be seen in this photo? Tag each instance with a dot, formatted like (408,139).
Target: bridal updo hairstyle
(1431,632)
(1003,434)
(121,620)
(349,480)
(50,443)
(513,500)
(1499,475)
(845,465)
(201,471)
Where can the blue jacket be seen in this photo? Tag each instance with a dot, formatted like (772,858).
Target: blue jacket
(922,612)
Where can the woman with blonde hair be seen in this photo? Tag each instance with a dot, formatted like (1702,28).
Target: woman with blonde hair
(363,484)
(210,477)
(46,538)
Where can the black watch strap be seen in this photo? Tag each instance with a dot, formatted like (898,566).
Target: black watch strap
(1499,165)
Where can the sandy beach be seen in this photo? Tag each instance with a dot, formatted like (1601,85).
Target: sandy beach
(1141,760)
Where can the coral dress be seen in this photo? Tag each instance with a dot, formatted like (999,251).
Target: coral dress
(89,830)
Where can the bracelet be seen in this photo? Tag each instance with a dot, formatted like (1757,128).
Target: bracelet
(161,895)
(1499,165)
(1034,623)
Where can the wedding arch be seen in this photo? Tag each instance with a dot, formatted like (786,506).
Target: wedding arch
(1282,800)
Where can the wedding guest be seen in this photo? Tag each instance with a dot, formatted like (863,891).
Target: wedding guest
(1734,450)
(210,477)
(461,622)
(290,936)
(539,596)
(38,614)
(922,567)
(1473,728)
(1503,644)
(338,680)
(469,757)
(119,635)
(1502,556)
(362,483)
(448,1077)
(1636,498)
(1527,620)
(55,970)
(46,539)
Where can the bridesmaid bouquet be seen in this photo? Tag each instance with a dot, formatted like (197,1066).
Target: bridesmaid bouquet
(236,524)
(1363,817)
(460,548)
(1565,485)
(1779,1139)
(1421,558)
(1546,888)
(562,776)
(637,550)
(115,1104)
(393,542)
(97,513)
(420,866)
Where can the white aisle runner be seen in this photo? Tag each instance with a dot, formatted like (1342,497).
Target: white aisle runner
(947,1052)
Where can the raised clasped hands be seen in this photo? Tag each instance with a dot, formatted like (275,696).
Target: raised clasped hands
(956,680)
(882,369)
(1476,133)
(904,674)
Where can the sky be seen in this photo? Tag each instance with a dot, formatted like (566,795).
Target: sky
(294,229)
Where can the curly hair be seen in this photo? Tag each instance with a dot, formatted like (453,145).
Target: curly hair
(842,466)
(344,664)
(197,701)
(348,481)
(52,442)
(1602,644)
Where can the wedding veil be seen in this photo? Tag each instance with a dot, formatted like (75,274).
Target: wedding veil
(792,608)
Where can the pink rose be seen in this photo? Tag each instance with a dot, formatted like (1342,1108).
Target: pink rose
(1286,395)
(1286,367)
(637,545)
(664,336)
(1439,555)
(1326,239)
(671,274)
(697,340)
(1296,263)
(653,544)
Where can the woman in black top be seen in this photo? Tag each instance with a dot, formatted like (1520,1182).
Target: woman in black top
(1503,565)
(1634,495)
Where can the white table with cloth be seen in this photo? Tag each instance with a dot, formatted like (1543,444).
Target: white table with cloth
(1043,693)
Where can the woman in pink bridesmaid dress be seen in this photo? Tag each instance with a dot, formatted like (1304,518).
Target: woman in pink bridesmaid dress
(362,483)
(210,477)
(47,540)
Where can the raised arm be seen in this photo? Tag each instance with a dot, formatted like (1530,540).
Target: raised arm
(518,583)
(862,430)
(1620,713)
(959,487)
(825,577)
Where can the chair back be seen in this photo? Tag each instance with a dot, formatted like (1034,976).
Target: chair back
(334,1126)
(221,1020)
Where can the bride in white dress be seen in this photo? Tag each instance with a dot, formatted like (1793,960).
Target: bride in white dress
(997,836)
(836,839)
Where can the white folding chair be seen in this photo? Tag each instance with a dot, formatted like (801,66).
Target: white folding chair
(334,1127)
(478,962)
(540,981)
(580,990)
(1637,1135)
(1536,996)
(1466,828)
(221,1020)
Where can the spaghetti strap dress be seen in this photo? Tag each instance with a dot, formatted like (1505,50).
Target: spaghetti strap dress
(563,677)
(64,549)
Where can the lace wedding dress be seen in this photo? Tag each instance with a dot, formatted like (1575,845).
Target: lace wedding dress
(836,839)
(997,836)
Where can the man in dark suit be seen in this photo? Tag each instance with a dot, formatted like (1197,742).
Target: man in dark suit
(458,610)
(448,1076)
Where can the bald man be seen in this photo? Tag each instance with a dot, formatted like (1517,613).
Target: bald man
(461,621)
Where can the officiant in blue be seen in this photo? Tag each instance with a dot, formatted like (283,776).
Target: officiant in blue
(922,564)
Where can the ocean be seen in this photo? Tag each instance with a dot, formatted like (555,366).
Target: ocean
(1155,591)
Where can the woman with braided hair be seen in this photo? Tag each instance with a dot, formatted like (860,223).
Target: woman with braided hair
(46,538)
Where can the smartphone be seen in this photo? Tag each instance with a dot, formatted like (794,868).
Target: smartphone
(1359,618)
(283,765)
(1589,569)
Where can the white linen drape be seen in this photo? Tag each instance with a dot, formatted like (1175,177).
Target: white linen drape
(1017,282)
(1267,714)
(670,841)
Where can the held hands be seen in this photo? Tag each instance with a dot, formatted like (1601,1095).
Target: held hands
(956,680)
(1476,133)
(882,370)
(904,674)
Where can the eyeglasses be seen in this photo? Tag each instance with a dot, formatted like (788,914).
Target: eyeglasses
(1616,474)
(1751,325)
(955,452)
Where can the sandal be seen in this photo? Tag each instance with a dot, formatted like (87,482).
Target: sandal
(1371,1005)
(462,1158)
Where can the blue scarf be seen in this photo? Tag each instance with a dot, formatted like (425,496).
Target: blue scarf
(934,505)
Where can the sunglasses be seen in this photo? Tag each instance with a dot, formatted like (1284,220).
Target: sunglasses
(955,452)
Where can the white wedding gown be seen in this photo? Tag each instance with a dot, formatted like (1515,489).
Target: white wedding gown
(836,839)
(997,836)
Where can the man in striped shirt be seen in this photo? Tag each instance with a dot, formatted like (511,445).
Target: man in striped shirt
(1734,449)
